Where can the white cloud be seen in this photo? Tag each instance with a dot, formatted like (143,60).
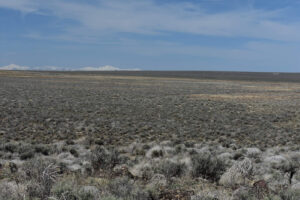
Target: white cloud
(148,17)
(54,68)
(14,67)
(101,22)
(106,68)
(43,68)
(21,5)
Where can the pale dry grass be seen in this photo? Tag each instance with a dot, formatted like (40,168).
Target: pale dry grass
(293,123)
(280,87)
(244,96)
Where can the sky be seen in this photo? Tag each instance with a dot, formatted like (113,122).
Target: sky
(223,35)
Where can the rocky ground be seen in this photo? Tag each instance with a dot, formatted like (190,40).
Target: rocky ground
(110,136)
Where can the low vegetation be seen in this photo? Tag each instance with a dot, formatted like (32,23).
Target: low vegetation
(96,137)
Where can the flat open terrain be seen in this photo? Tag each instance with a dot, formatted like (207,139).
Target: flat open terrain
(119,109)
(138,113)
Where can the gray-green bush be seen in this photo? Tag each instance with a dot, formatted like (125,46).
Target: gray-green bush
(206,166)
(126,189)
(171,169)
(101,158)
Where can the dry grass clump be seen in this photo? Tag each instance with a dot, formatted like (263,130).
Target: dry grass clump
(68,188)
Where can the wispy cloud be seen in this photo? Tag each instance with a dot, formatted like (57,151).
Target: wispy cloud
(106,68)
(14,67)
(44,68)
(149,17)
(152,33)
(21,5)
(55,68)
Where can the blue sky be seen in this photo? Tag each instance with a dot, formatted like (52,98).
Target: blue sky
(234,35)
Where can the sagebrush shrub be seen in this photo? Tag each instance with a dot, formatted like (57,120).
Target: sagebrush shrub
(206,166)
(11,191)
(43,149)
(244,195)
(26,151)
(121,187)
(65,189)
(11,147)
(27,155)
(69,189)
(74,152)
(289,194)
(171,169)
(157,153)
(104,159)
(124,188)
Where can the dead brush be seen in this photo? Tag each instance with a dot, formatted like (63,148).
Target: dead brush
(260,188)
(64,196)
(41,175)
(49,176)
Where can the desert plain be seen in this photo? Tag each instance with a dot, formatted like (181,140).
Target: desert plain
(149,135)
